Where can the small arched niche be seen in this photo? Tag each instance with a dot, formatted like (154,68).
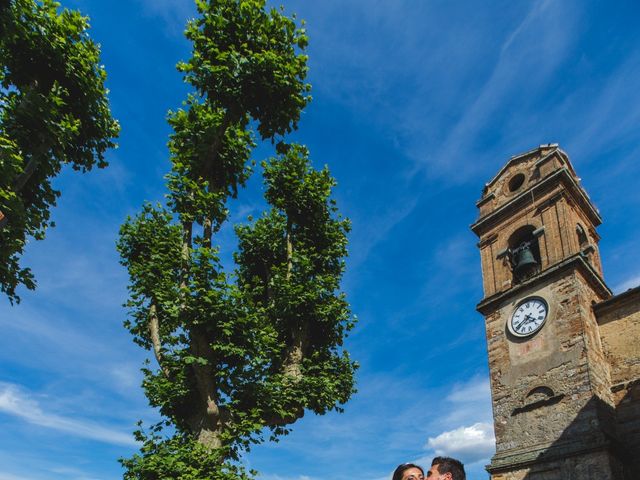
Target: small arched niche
(524,253)
(583,239)
(585,247)
(540,396)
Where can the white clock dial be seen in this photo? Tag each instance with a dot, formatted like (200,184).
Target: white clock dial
(528,317)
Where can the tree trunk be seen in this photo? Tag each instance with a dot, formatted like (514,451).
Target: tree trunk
(210,417)
(292,366)
(210,438)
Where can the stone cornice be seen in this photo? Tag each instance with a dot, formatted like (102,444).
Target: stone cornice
(552,147)
(630,296)
(520,459)
(544,186)
(576,261)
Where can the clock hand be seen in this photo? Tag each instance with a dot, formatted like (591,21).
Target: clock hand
(521,323)
(527,318)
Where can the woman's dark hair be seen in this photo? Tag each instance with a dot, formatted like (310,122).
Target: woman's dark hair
(397,474)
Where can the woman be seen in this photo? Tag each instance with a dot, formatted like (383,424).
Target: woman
(408,471)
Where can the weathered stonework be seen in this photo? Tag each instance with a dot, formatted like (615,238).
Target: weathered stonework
(619,324)
(566,399)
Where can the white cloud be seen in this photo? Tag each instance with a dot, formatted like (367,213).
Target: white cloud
(511,77)
(609,101)
(469,444)
(467,408)
(469,403)
(16,402)
(73,473)
(390,419)
(49,342)
(476,390)
(366,74)
(126,376)
(34,465)
(537,9)
(375,229)
(10,476)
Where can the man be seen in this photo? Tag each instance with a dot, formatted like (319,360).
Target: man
(446,468)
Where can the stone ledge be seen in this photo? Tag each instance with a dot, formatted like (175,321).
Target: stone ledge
(577,261)
(544,185)
(630,296)
(514,460)
(625,385)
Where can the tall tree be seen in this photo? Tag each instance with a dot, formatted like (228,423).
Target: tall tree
(239,354)
(53,111)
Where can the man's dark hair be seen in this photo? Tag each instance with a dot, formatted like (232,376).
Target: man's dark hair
(450,465)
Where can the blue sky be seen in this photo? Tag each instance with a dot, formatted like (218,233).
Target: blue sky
(416,105)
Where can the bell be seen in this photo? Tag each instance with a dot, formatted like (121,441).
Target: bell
(525,263)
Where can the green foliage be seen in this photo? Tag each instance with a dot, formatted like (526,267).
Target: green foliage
(179,458)
(53,111)
(245,60)
(243,354)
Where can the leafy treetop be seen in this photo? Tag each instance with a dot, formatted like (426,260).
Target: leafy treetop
(53,111)
(245,352)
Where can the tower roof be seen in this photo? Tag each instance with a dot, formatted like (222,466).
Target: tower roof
(540,153)
(526,175)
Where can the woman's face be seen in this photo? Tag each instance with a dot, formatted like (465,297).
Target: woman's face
(412,474)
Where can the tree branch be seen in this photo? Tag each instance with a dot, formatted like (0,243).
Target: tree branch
(154,334)
(281,420)
(19,184)
(187,228)
(231,116)
(208,232)
(26,174)
(289,250)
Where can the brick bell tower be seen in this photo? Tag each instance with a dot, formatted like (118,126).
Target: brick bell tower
(553,408)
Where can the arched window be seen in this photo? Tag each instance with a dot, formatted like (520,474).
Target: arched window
(524,253)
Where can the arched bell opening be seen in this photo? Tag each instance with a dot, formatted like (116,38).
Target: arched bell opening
(524,253)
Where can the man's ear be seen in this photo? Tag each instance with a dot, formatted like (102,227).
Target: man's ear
(447,476)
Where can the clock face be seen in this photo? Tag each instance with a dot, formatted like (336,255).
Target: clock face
(529,317)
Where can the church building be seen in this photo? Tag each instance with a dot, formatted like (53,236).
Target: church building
(564,352)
